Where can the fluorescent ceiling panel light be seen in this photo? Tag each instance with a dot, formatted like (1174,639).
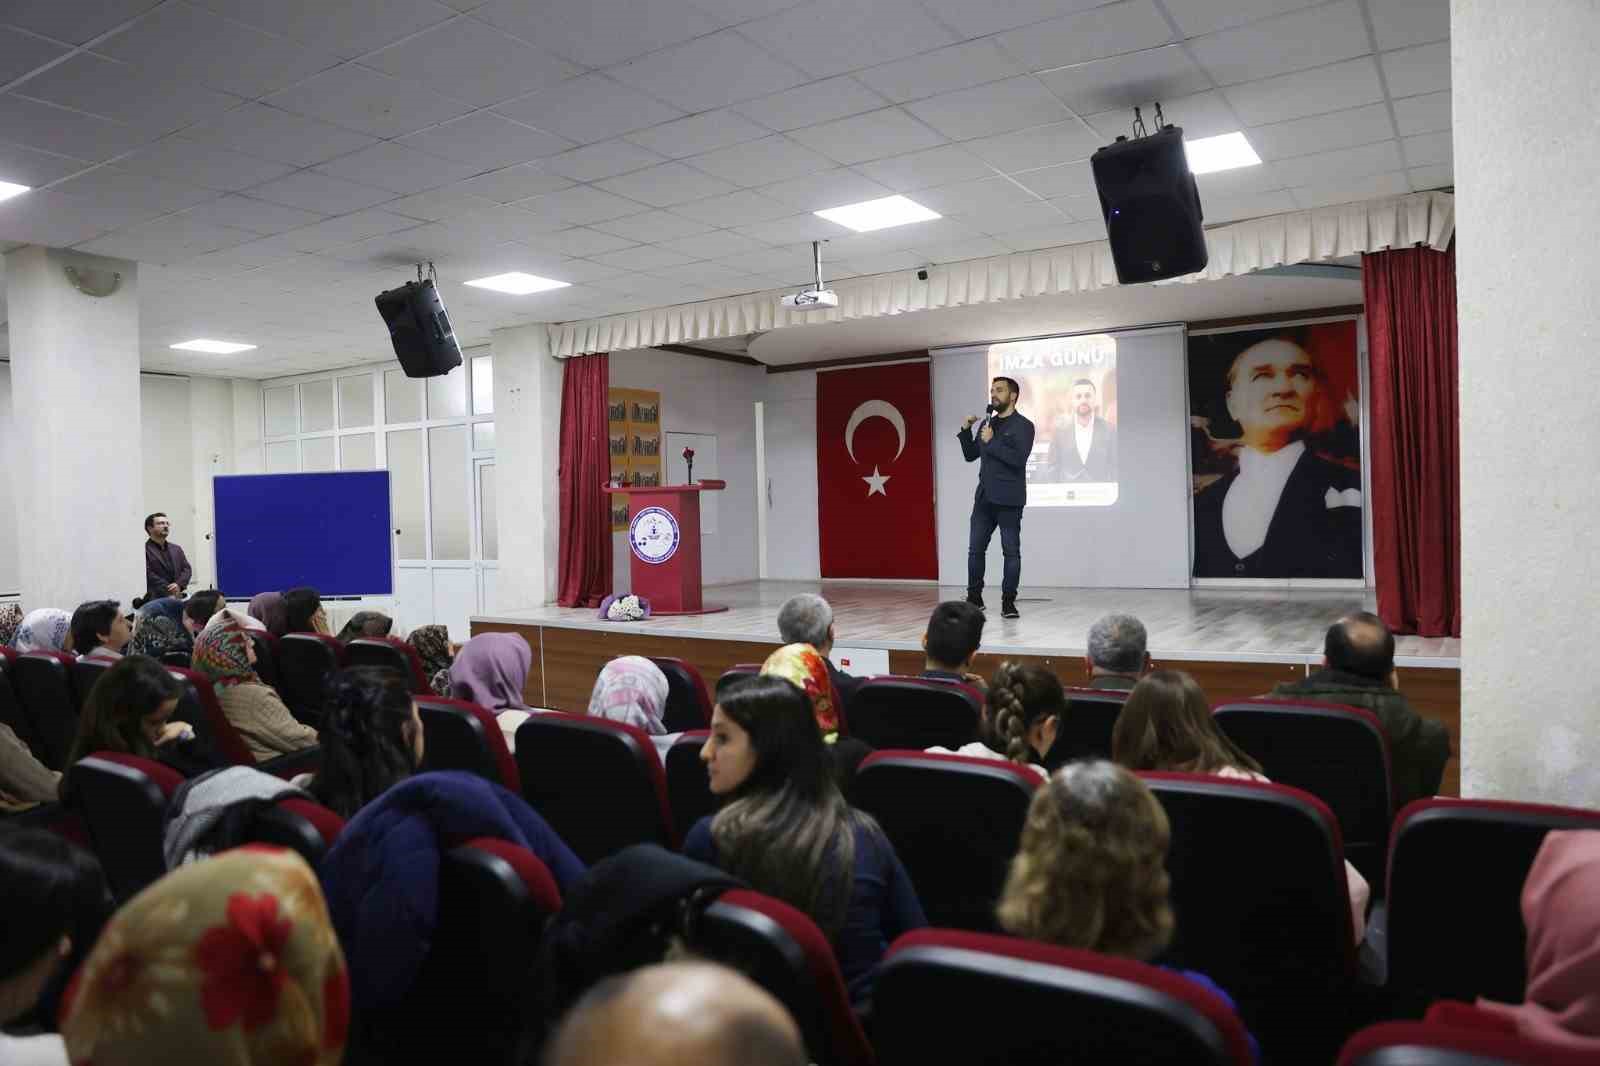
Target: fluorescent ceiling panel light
(878,214)
(9,189)
(517,283)
(1208,155)
(213,347)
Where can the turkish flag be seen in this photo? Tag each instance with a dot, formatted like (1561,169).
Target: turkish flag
(875,472)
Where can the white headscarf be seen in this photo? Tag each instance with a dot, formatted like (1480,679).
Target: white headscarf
(631,690)
(43,630)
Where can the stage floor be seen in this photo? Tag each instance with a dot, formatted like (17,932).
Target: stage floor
(1214,625)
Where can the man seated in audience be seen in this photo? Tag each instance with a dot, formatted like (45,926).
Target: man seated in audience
(681,1012)
(100,631)
(199,610)
(1358,671)
(951,640)
(1117,656)
(808,619)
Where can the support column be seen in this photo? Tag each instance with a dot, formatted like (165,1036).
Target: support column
(1526,153)
(75,397)
(527,429)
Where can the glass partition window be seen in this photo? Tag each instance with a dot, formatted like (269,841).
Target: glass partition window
(316,406)
(450,501)
(483,436)
(406,492)
(447,395)
(402,397)
(355,401)
(316,454)
(487,515)
(280,405)
(358,451)
(283,457)
(483,385)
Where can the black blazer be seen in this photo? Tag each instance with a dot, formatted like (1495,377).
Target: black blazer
(1002,476)
(1306,537)
(1064,464)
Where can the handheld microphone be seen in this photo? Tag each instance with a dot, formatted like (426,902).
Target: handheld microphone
(988,412)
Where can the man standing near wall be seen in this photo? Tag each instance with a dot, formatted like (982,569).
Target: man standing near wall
(1003,444)
(166,569)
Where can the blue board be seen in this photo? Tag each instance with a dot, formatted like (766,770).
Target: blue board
(329,531)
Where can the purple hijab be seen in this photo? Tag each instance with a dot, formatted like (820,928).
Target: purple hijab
(491,670)
(268,609)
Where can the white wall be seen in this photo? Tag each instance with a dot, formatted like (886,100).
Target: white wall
(10,572)
(790,415)
(167,454)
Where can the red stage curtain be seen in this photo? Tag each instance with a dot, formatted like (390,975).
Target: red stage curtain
(585,559)
(1416,457)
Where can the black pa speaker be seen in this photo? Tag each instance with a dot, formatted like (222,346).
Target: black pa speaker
(1152,207)
(420,329)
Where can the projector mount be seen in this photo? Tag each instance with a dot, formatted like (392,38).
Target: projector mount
(814,299)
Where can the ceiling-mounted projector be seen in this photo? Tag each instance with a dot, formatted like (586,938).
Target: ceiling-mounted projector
(813,299)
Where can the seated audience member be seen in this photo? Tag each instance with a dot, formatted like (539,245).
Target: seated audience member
(675,1013)
(366,624)
(371,739)
(1358,671)
(24,780)
(632,690)
(156,635)
(1091,872)
(1117,655)
(240,966)
(46,629)
(225,655)
(767,762)
(10,621)
(130,709)
(200,609)
(1167,725)
(491,670)
(268,609)
(217,811)
(99,630)
(951,640)
(1020,717)
(807,669)
(53,899)
(303,611)
(808,619)
(433,647)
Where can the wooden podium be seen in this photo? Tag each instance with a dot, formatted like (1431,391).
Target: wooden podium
(664,545)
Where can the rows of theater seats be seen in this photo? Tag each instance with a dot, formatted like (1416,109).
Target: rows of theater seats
(1257,881)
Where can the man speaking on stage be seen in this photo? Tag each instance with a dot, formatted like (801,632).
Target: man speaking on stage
(1004,443)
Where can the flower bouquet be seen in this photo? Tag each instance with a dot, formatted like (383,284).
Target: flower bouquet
(629,608)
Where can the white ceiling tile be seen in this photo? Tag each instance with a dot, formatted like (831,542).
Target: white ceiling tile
(1009,218)
(581,270)
(1239,182)
(957,251)
(56,221)
(582,205)
(1087,35)
(511,184)
(715,274)
(28,166)
(357,226)
(190,43)
(393,166)
(348,29)
(874,135)
(643,257)
(181,159)
(1056,236)
(967,197)
(1084,207)
(310,191)
(1041,146)
(828,37)
(369,101)
(138,194)
(1413,71)
(724,68)
(792,261)
(1127,81)
(1068,179)
(274,134)
(714,245)
(651,227)
(1344,192)
(1320,133)
(1204,114)
(1344,164)
(944,165)
(143,98)
(487,141)
(582,241)
(933,231)
(74,23)
(1422,114)
(1313,37)
(166,240)
(704,132)
(884,263)
(1256,205)
(957,67)
(978,20)
(467,60)
(1403,23)
(1438,176)
(62,132)
(587,109)
(1426,149)
(257,216)
(735,209)
(792,230)
(603,159)
(599,33)
(761,162)
(666,185)
(998,107)
(1309,92)
(1197,17)
(807,105)
(831,188)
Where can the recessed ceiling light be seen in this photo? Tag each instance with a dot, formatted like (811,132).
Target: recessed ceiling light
(878,214)
(1210,154)
(214,347)
(9,189)
(517,283)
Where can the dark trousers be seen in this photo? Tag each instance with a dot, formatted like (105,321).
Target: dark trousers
(985,517)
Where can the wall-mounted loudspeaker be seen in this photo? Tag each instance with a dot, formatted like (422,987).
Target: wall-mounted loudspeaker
(420,329)
(1151,206)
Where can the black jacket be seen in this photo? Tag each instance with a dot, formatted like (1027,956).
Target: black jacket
(1306,537)
(163,566)
(1064,464)
(1003,474)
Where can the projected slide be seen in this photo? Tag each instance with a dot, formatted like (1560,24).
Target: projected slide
(1069,390)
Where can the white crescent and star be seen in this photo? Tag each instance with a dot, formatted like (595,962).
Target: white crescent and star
(875,409)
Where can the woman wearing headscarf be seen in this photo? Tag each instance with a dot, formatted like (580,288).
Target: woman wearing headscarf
(433,647)
(491,670)
(46,629)
(157,634)
(10,621)
(632,690)
(230,962)
(225,655)
(804,666)
(267,608)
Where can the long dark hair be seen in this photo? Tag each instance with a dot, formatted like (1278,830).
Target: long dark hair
(113,713)
(49,888)
(1020,696)
(787,829)
(299,607)
(367,736)
(1167,725)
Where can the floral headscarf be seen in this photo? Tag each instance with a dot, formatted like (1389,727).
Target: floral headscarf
(157,634)
(631,690)
(491,670)
(10,621)
(222,653)
(230,962)
(432,644)
(268,609)
(43,630)
(803,665)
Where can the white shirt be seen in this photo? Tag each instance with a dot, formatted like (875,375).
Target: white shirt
(1253,497)
(979,750)
(45,1050)
(1084,436)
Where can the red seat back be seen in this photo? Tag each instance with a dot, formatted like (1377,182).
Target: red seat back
(688,785)
(688,700)
(1084,730)
(11,713)
(915,713)
(1425,1044)
(460,735)
(298,824)
(83,674)
(44,692)
(392,653)
(305,660)
(122,800)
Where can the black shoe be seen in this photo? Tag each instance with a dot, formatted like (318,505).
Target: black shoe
(1008,609)
(976,599)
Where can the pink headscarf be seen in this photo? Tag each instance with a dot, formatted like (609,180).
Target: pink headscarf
(1561,1005)
(267,608)
(491,670)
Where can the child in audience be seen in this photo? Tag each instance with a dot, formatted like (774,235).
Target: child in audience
(1090,871)
(225,654)
(1020,717)
(302,611)
(46,629)
(371,738)
(10,621)
(366,624)
(1167,725)
(632,690)
(785,828)
(129,710)
(268,609)
(232,960)
(433,647)
(99,630)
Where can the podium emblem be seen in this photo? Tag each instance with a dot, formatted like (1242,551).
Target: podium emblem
(653,535)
